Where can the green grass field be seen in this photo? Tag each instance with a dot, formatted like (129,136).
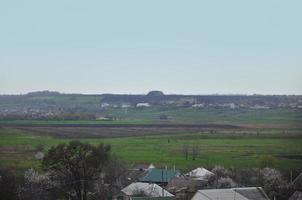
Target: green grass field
(290,118)
(17,149)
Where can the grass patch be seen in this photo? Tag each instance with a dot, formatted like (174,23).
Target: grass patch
(274,117)
(17,149)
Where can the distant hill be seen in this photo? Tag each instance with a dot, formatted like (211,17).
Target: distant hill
(55,105)
(43,93)
(155,93)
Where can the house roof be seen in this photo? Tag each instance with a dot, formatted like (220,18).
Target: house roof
(296,196)
(151,166)
(251,193)
(159,175)
(152,198)
(185,183)
(218,194)
(150,190)
(200,173)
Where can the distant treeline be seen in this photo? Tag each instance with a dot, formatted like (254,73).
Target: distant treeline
(63,116)
(206,99)
(155,97)
(57,106)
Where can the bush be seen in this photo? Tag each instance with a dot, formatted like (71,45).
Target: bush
(36,186)
(267,161)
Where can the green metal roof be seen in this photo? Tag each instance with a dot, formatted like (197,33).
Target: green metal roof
(159,175)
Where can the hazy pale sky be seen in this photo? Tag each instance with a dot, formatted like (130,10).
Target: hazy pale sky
(190,47)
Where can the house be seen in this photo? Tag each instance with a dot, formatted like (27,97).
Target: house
(102,118)
(105,105)
(126,106)
(140,189)
(200,173)
(296,196)
(141,105)
(231,105)
(251,193)
(185,187)
(199,105)
(159,176)
(179,183)
(151,166)
(221,194)
(260,107)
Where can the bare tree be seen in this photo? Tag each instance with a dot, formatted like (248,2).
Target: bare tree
(185,150)
(220,171)
(195,151)
(112,181)
(76,166)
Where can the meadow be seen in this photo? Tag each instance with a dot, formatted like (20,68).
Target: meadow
(229,148)
(281,117)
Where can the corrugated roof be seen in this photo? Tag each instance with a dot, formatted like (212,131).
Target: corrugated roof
(150,190)
(152,198)
(218,194)
(251,193)
(159,175)
(200,173)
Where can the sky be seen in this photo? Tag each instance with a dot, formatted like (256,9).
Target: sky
(134,46)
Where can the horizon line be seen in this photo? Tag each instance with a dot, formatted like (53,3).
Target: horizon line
(118,93)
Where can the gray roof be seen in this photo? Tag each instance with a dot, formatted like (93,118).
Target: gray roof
(218,194)
(177,183)
(150,190)
(152,198)
(200,173)
(251,193)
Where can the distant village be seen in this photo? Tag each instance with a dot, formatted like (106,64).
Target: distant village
(53,105)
